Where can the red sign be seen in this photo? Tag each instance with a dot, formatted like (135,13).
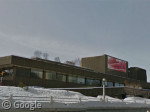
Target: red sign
(116,64)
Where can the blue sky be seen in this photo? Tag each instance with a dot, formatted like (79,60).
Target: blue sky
(77,28)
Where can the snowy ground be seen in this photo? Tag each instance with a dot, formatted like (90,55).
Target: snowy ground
(49,98)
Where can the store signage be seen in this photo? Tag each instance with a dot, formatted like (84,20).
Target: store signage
(116,64)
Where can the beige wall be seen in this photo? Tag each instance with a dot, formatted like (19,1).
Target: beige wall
(96,63)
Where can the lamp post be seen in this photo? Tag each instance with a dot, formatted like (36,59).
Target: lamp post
(103,82)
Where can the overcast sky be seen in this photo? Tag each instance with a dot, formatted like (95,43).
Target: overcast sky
(77,28)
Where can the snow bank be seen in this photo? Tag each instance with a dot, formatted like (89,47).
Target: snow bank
(137,100)
(109,98)
(67,99)
(55,93)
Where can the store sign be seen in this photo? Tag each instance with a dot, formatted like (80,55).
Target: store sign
(116,64)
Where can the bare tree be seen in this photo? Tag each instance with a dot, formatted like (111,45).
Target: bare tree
(45,56)
(70,62)
(37,54)
(75,62)
(57,59)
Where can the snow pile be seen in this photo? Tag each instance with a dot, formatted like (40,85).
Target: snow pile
(51,98)
(137,100)
(16,91)
(55,93)
(109,98)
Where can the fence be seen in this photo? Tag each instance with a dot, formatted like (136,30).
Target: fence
(52,99)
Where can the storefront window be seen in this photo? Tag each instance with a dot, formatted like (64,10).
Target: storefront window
(110,84)
(116,84)
(105,83)
(36,73)
(72,79)
(9,71)
(61,77)
(81,80)
(22,72)
(121,85)
(50,75)
(89,82)
(93,82)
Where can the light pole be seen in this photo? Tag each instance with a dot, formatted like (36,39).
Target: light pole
(103,82)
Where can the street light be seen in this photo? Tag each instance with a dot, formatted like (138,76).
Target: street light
(103,83)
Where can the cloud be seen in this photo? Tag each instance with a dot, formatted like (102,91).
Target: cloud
(25,46)
(77,29)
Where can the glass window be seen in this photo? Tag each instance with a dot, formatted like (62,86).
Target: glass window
(36,73)
(93,82)
(110,84)
(89,81)
(116,84)
(96,82)
(50,75)
(22,72)
(81,80)
(9,71)
(121,85)
(106,84)
(72,79)
(61,77)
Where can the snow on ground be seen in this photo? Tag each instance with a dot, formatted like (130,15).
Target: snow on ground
(55,93)
(51,98)
(137,100)
(109,98)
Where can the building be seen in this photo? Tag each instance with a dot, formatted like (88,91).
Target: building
(107,65)
(137,73)
(51,74)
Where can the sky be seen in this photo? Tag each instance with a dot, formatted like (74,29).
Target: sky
(72,29)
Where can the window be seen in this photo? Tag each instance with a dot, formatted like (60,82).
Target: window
(89,81)
(50,75)
(81,80)
(93,82)
(72,79)
(22,72)
(121,85)
(61,77)
(7,73)
(110,84)
(116,84)
(36,73)
(76,79)
(106,83)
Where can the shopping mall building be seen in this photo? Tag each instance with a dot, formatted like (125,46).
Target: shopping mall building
(87,79)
